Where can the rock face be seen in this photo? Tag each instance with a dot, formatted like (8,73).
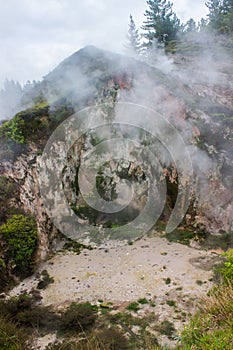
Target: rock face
(25,173)
(197,112)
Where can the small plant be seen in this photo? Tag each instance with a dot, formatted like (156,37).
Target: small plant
(167,280)
(12,337)
(143,301)
(166,327)
(171,303)
(46,280)
(75,247)
(20,235)
(134,306)
(199,282)
(152,304)
(13,130)
(79,317)
(112,338)
(227,270)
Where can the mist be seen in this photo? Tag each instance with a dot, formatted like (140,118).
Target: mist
(36,35)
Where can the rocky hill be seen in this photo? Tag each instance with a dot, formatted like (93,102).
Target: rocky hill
(108,149)
(195,108)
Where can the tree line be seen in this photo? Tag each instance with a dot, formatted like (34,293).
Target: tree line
(163,26)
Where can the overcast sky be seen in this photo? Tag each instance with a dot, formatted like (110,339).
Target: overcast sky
(35,35)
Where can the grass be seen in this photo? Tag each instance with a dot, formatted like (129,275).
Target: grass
(211,328)
(12,337)
(143,301)
(134,306)
(180,236)
(171,303)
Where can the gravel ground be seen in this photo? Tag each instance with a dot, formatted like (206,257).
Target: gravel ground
(124,273)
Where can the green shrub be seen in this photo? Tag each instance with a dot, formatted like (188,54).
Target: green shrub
(134,306)
(227,270)
(13,130)
(166,328)
(211,328)
(11,337)
(75,247)
(20,236)
(79,317)
(24,313)
(142,301)
(167,280)
(112,339)
(45,281)
(171,303)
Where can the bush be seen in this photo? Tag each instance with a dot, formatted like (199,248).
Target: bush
(20,236)
(23,311)
(227,270)
(13,130)
(12,338)
(134,306)
(46,280)
(79,317)
(112,339)
(166,327)
(211,328)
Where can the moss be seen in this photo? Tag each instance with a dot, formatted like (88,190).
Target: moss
(180,236)
(75,246)
(33,125)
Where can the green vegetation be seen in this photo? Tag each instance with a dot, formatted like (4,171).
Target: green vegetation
(211,328)
(33,125)
(199,282)
(166,328)
(180,236)
(12,337)
(161,22)
(143,301)
(167,280)
(13,130)
(227,270)
(171,303)
(19,237)
(134,306)
(79,317)
(45,281)
(75,247)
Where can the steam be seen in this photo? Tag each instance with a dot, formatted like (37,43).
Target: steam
(184,89)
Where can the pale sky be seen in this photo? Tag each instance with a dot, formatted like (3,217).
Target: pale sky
(36,35)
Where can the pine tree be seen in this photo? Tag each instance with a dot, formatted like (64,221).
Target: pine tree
(220,15)
(161,22)
(190,26)
(214,7)
(134,39)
